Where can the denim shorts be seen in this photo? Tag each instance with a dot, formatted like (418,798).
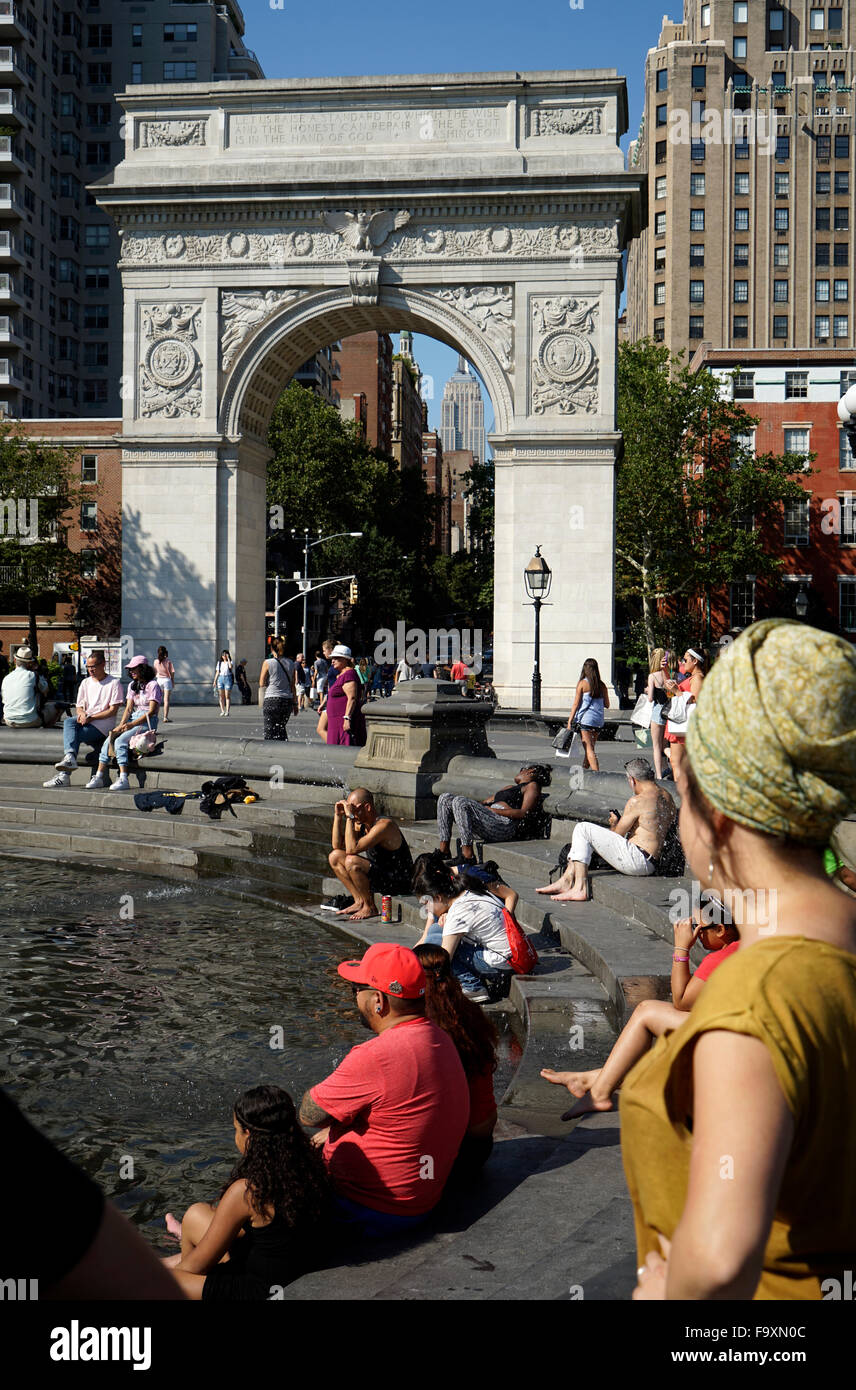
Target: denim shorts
(225,682)
(657,716)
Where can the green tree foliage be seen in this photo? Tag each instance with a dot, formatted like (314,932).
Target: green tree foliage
(40,492)
(691,502)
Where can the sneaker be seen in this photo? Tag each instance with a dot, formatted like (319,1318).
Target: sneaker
(68,764)
(98,783)
(123,785)
(478,996)
(336,903)
(62,779)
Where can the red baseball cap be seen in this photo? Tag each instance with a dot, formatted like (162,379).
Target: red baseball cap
(391,969)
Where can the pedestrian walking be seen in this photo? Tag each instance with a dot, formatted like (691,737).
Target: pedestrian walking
(224,679)
(277,691)
(591,698)
(165,676)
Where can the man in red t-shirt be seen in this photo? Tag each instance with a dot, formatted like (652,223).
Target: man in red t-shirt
(396,1109)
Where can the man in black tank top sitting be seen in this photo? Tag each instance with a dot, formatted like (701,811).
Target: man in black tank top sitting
(370,855)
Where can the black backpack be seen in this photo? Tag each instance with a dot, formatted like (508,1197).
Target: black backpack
(672,863)
(220,793)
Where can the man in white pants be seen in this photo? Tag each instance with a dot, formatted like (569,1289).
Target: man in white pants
(632,845)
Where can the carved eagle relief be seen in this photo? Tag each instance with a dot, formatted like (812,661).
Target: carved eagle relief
(365,231)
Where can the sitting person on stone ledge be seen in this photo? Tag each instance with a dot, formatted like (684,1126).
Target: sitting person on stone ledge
(513,813)
(370,855)
(487,873)
(23,690)
(653,1017)
(632,845)
(474,933)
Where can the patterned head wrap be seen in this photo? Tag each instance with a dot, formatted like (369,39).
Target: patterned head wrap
(773,741)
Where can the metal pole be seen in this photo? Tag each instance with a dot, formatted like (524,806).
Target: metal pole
(305,591)
(276,606)
(536,674)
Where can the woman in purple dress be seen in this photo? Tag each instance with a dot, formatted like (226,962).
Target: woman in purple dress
(345,721)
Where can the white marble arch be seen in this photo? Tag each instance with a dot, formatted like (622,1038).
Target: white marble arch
(262,220)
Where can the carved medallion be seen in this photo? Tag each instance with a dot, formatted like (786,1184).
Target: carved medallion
(171,370)
(564,363)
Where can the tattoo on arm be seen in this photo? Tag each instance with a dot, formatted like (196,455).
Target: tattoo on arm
(311,1114)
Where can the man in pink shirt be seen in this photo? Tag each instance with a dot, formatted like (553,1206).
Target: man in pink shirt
(99,699)
(394,1112)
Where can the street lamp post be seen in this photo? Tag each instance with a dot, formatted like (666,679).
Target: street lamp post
(537,577)
(307,546)
(801,604)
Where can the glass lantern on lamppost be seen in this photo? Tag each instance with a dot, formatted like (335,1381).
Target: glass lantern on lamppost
(801,604)
(538,577)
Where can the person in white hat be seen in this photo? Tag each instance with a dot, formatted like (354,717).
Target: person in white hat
(20,692)
(345,722)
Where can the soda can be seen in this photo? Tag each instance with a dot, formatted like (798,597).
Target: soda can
(386,908)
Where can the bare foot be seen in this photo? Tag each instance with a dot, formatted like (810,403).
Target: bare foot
(364,912)
(587,1105)
(551,888)
(173,1225)
(346,911)
(573,895)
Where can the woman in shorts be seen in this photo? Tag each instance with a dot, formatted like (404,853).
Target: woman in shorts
(165,677)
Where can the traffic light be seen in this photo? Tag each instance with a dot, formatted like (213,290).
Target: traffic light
(354,596)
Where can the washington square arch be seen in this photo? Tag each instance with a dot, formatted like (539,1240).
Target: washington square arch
(260,221)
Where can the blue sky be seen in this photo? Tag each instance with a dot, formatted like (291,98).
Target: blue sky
(338,38)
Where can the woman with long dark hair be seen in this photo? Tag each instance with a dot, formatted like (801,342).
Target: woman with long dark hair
(269,1211)
(165,675)
(591,698)
(224,679)
(474,934)
(141,712)
(475,1037)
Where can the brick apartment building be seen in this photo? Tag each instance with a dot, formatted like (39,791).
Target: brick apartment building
(97,444)
(365,378)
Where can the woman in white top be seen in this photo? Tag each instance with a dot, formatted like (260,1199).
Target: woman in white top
(165,676)
(474,932)
(224,679)
(658,669)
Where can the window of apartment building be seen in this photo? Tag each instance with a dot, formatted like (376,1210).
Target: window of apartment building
(740,326)
(69,187)
(741,149)
(846,456)
(823,147)
(842,220)
(821,326)
(778,79)
(98,113)
(659,224)
(100,74)
(742,447)
(741,291)
(69,144)
(776,20)
(68,350)
(68,272)
(88,565)
(783,147)
(70,26)
(819,77)
(741,12)
(796,386)
(842,253)
(848,518)
(780,291)
(100,35)
(660,292)
(841,326)
(94,393)
(821,291)
(842,180)
(847,604)
(821,219)
(659,330)
(89,468)
(696,219)
(136,73)
(660,259)
(698,150)
(697,110)
(660,152)
(96,316)
(89,515)
(661,81)
(741,603)
(739,47)
(97,279)
(781,219)
(179,72)
(822,182)
(662,116)
(705,16)
(660,186)
(96,354)
(696,255)
(842,147)
(840,289)
(833,17)
(817,19)
(741,219)
(69,229)
(179,33)
(69,105)
(96,237)
(781,254)
(797,521)
(699,75)
(696,185)
(782,185)
(696,326)
(98,152)
(741,185)
(797,442)
(696,291)
(780,325)
(136,35)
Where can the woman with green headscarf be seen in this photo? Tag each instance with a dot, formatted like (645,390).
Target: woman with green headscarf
(739,1128)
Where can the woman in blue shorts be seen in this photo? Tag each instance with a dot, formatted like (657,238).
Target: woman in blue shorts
(224,679)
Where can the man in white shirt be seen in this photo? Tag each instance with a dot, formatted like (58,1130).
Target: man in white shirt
(20,690)
(99,700)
